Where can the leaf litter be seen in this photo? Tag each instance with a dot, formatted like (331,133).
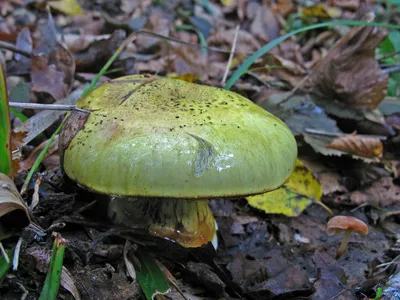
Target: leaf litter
(330,85)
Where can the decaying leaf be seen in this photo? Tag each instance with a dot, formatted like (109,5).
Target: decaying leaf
(299,191)
(298,112)
(382,192)
(13,211)
(246,43)
(358,145)
(349,74)
(265,25)
(269,278)
(282,68)
(52,65)
(331,281)
(319,141)
(99,51)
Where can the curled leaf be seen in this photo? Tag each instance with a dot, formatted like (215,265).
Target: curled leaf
(350,74)
(358,145)
(13,211)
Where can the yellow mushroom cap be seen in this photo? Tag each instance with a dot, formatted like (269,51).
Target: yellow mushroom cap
(151,137)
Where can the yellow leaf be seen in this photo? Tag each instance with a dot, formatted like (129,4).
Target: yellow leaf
(68,7)
(188,77)
(227,2)
(299,191)
(320,11)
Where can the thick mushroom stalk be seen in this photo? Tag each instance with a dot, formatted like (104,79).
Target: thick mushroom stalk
(187,222)
(345,225)
(170,142)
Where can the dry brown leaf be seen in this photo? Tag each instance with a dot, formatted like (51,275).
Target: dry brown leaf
(53,67)
(265,25)
(245,43)
(349,74)
(26,164)
(13,211)
(382,192)
(358,145)
(281,68)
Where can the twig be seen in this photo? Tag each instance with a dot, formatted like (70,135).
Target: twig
(296,88)
(16,253)
(394,69)
(334,134)
(13,48)
(40,106)
(228,66)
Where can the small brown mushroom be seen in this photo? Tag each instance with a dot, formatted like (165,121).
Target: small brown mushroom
(346,225)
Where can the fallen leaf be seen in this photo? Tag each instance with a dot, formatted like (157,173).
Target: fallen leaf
(27,163)
(298,112)
(53,68)
(331,279)
(269,278)
(21,65)
(280,67)
(265,25)
(319,141)
(299,191)
(13,211)
(358,145)
(98,52)
(320,10)
(202,274)
(349,74)
(382,192)
(68,7)
(245,43)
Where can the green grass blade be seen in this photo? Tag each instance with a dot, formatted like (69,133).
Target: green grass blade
(4,265)
(150,277)
(53,278)
(19,114)
(263,50)
(5,127)
(85,92)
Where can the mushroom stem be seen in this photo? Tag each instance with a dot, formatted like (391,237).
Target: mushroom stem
(187,222)
(344,243)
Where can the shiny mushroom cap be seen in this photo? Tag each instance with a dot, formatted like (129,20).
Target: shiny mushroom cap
(340,224)
(151,137)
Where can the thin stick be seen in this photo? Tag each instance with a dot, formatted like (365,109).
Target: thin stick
(228,66)
(334,134)
(40,106)
(16,253)
(11,47)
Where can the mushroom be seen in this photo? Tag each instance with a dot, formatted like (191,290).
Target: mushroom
(346,225)
(162,147)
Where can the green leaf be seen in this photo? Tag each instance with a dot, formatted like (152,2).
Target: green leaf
(151,278)
(299,191)
(5,127)
(263,50)
(53,278)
